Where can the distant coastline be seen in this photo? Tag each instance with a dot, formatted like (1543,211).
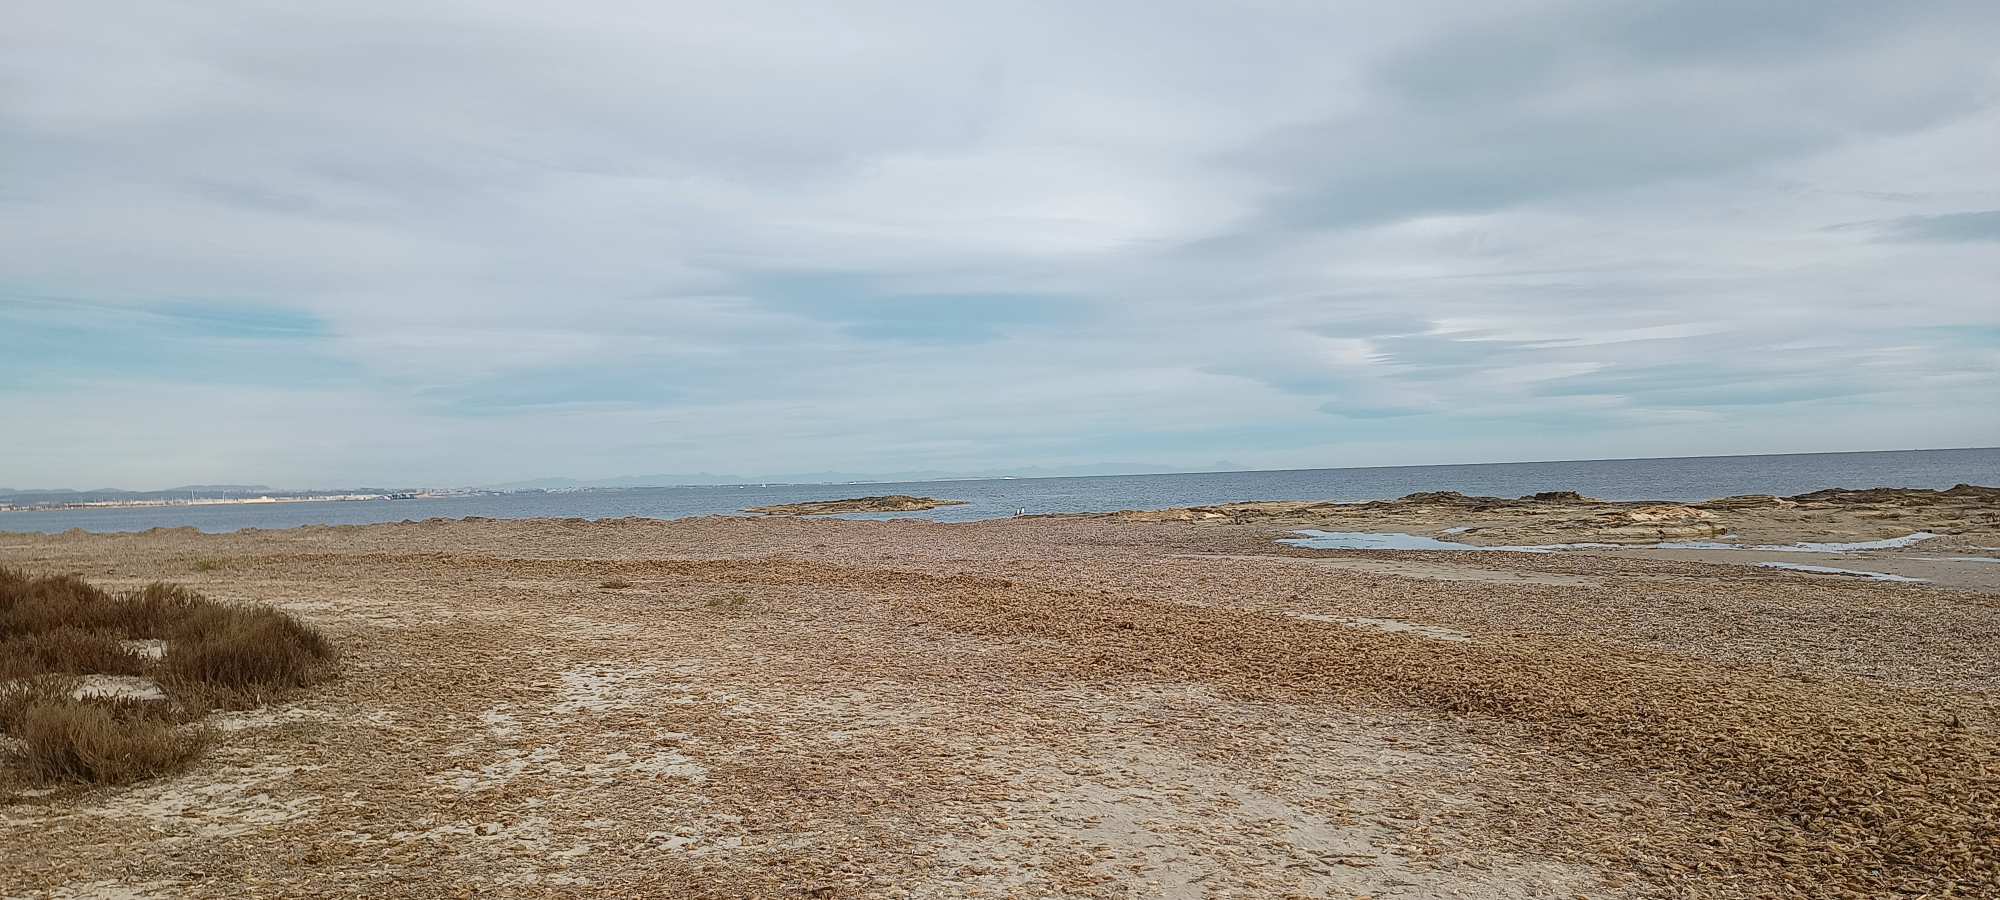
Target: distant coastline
(160,502)
(1684,480)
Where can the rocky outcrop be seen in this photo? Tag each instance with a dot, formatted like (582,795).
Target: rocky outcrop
(1448,498)
(1746,501)
(1183,514)
(1960,493)
(1566,497)
(1556,517)
(890,503)
(1647,524)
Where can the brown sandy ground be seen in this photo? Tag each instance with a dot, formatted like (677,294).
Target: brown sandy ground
(1033,708)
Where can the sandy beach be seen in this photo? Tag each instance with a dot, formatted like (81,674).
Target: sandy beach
(1080,707)
(1057,451)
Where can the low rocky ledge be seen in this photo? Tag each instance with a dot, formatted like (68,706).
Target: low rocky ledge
(891,503)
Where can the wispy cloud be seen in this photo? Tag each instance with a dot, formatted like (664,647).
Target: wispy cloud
(471,243)
(1983,225)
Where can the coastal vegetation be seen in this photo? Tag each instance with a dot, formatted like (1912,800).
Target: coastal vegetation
(97,687)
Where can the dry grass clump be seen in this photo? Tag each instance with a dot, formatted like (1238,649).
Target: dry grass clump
(18,695)
(37,605)
(56,628)
(30,606)
(101,742)
(248,652)
(67,649)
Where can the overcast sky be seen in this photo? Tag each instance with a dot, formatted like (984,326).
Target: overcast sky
(449,243)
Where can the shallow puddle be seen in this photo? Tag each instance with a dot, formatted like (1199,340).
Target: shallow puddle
(1887,544)
(1850,573)
(1800,547)
(1386,540)
(1313,539)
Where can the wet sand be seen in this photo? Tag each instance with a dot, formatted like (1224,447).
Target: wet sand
(1051,707)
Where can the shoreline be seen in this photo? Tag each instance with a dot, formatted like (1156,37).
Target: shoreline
(202,501)
(1543,518)
(1678,480)
(1945,539)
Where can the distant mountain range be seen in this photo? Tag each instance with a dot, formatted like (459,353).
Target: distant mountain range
(54,496)
(183,490)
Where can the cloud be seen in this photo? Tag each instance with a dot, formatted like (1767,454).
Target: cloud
(1983,225)
(452,243)
(1520,109)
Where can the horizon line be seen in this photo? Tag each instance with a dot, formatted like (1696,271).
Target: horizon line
(962,478)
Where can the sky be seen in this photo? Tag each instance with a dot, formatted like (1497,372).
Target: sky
(454,243)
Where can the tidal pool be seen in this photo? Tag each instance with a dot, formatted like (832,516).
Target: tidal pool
(1387,540)
(1314,539)
(1851,573)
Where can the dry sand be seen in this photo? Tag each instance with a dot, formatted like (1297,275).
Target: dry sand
(1046,707)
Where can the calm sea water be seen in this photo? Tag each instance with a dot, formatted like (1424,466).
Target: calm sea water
(1690,478)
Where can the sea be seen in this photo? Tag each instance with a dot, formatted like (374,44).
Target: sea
(1672,479)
